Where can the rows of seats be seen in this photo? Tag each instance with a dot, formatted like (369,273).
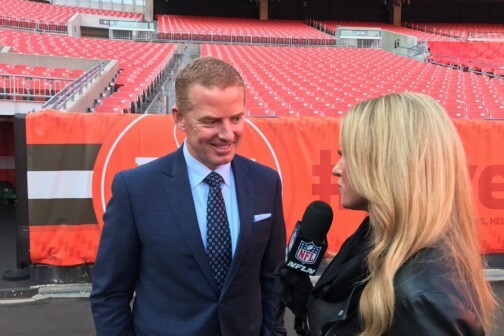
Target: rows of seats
(39,71)
(420,35)
(477,31)
(239,30)
(50,18)
(129,54)
(47,12)
(140,63)
(127,99)
(328,81)
(37,83)
(282,81)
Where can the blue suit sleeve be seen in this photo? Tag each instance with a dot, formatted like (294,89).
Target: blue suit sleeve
(273,257)
(116,266)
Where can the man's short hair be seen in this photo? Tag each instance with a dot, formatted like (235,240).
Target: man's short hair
(208,72)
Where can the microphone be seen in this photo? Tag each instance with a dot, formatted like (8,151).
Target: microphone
(304,253)
(308,242)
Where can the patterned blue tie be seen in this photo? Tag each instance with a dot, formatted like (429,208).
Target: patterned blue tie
(218,235)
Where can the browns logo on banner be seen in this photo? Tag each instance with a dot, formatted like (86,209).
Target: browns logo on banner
(73,157)
(62,149)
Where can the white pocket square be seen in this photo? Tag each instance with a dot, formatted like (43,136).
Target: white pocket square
(260,217)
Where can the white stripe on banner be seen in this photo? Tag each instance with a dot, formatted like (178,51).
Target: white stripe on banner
(60,184)
(7,162)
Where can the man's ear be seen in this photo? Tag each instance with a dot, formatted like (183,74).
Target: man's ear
(178,118)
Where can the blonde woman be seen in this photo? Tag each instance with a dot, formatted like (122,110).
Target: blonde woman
(413,267)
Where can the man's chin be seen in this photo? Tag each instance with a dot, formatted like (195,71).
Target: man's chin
(224,159)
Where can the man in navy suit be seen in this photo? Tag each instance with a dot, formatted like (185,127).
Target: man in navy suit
(154,240)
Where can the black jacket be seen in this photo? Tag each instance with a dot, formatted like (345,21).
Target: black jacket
(427,301)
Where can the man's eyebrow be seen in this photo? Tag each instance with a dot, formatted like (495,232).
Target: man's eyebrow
(208,118)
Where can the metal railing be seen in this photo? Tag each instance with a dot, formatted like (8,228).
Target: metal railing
(244,38)
(321,26)
(165,98)
(25,87)
(471,65)
(417,51)
(132,30)
(60,99)
(486,68)
(485,36)
(432,30)
(35,25)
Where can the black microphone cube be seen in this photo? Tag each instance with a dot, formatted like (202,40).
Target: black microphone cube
(304,254)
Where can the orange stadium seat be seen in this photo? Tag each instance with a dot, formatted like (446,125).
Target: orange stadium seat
(125,103)
(133,97)
(322,105)
(259,112)
(108,109)
(333,112)
(135,90)
(298,105)
(496,110)
(255,103)
(310,112)
(277,104)
(286,112)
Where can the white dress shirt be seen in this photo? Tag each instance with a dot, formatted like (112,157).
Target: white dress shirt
(197,172)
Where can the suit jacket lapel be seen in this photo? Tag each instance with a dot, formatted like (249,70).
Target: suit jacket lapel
(182,206)
(245,196)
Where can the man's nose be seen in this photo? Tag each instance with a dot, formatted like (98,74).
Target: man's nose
(226,131)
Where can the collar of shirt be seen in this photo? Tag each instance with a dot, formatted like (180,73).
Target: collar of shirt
(197,171)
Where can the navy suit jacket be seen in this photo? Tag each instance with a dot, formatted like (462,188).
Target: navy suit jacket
(151,246)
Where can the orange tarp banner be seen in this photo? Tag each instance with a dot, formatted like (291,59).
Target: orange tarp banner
(65,225)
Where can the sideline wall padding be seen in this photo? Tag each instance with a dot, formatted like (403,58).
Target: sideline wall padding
(7,164)
(72,158)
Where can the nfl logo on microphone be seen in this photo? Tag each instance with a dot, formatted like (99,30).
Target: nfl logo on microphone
(307,253)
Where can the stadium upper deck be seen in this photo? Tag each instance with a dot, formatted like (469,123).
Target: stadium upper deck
(420,35)
(476,31)
(47,12)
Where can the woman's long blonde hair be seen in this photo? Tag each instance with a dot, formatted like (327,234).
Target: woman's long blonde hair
(406,158)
